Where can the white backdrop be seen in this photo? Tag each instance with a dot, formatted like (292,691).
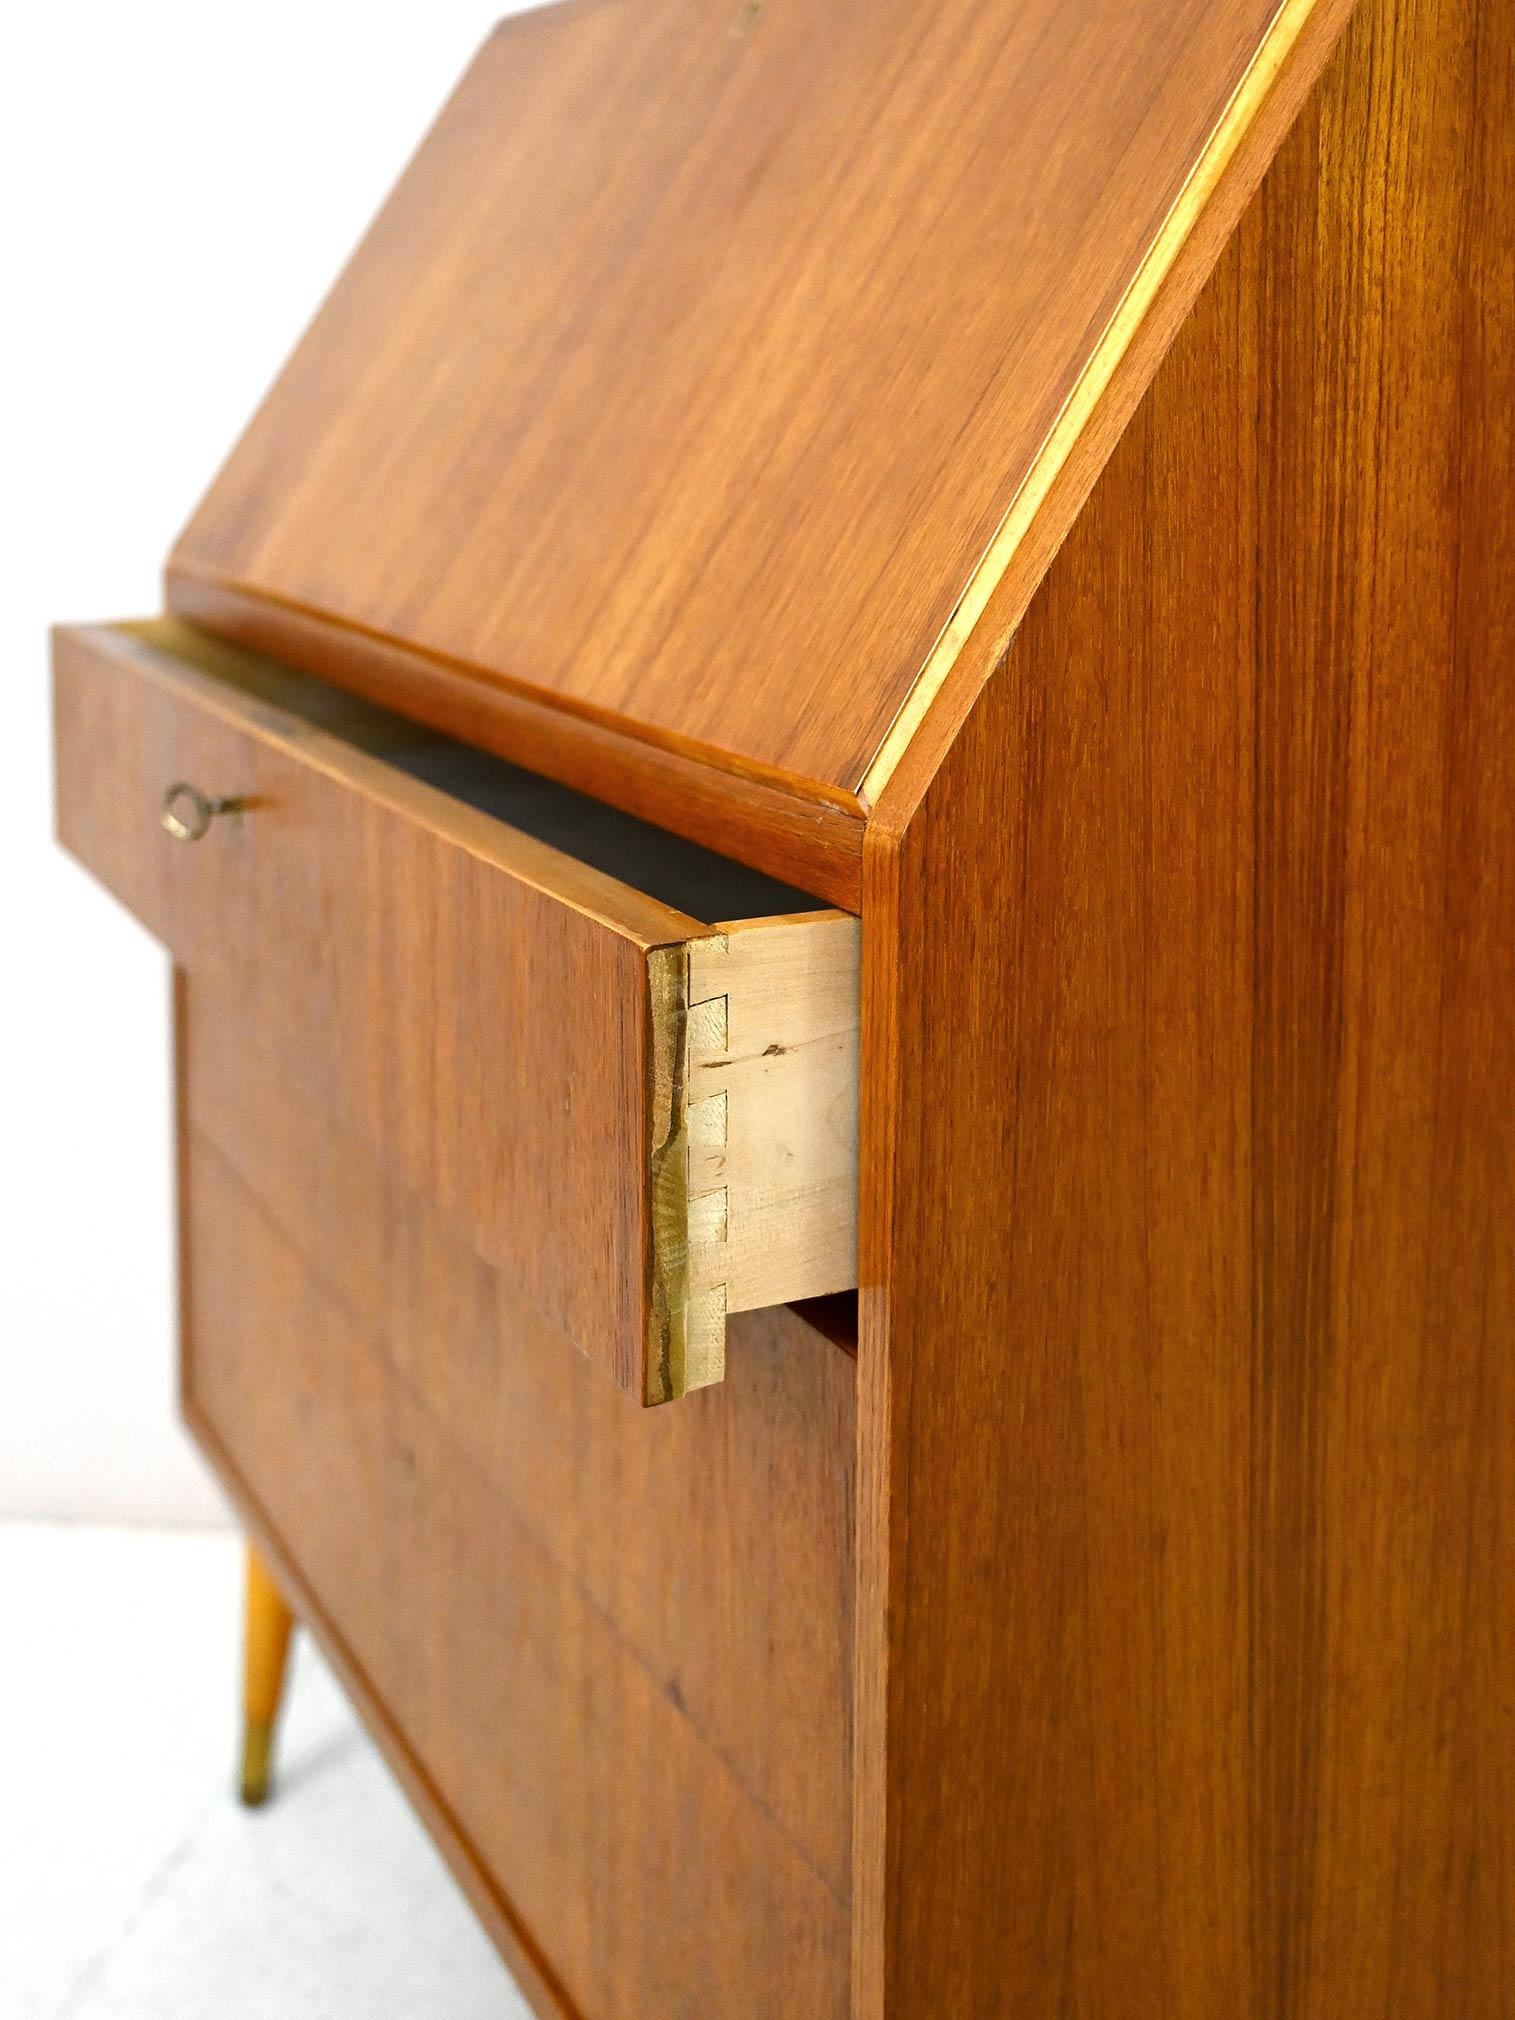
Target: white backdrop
(179,184)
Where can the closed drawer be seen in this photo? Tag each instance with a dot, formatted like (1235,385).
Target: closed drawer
(608,1650)
(636,1093)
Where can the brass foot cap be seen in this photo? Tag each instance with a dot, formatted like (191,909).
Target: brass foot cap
(257,1762)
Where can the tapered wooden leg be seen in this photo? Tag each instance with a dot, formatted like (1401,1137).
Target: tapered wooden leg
(265,1654)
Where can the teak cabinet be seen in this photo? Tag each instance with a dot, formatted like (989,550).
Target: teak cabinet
(833,786)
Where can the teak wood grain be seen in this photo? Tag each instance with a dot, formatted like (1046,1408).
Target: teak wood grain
(508,1024)
(814,844)
(726,345)
(1186,1619)
(919,450)
(449,1493)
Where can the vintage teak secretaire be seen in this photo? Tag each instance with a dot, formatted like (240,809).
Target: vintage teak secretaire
(833,786)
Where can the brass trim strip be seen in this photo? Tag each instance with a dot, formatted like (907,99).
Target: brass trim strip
(667,1175)
(1210,165)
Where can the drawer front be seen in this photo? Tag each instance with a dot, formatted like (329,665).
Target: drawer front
(512,1028)
(613,1645)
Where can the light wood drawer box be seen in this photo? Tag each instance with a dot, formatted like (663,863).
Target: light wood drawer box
(648,1121)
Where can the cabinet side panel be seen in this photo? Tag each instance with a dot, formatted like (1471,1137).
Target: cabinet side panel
(1187,1524)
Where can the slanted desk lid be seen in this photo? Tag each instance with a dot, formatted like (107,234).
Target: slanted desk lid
(686,380)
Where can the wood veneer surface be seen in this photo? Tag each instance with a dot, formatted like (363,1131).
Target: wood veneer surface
(1187,1602)
(638,1757)
(694,365)
(390,936)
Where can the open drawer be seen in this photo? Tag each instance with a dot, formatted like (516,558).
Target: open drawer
(648,1120)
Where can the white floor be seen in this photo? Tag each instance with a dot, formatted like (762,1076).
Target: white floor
(132,1885)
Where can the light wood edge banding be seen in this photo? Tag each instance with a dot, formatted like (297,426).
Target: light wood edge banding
(1094,381)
